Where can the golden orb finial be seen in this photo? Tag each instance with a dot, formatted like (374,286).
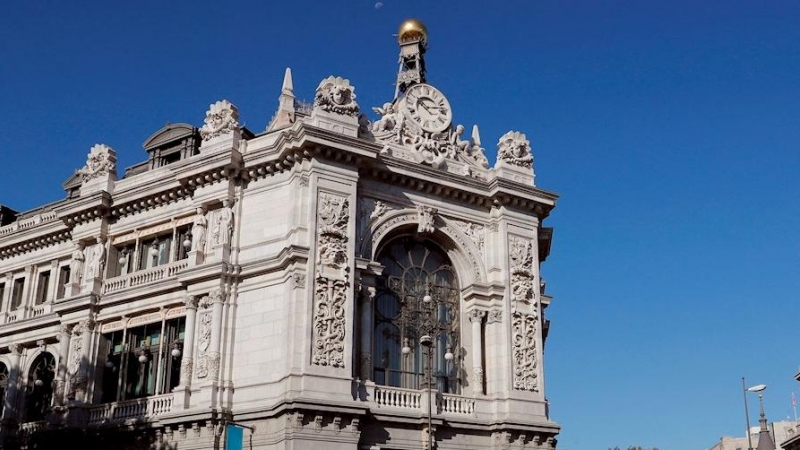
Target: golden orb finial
(412,29)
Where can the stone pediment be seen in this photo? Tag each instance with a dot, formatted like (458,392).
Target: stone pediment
(170,133)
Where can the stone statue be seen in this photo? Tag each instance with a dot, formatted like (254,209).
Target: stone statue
(97,261)
(224,223)
(199,228)
(515,149)
(77,265)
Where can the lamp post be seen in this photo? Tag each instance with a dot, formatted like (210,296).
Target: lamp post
(419,317)
(757,388)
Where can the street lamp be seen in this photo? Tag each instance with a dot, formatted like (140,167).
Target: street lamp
(420,316)
(757,388)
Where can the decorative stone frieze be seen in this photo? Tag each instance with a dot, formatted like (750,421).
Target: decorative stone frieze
(495,316)
(523,338)
(515,149)
(475,232)
(521,256)
(330,293)
(101,161)
(222,118)
(205,321)
(336,95)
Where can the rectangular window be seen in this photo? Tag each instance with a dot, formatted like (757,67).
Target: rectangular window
(155,252)
(2,293)
(42,287)
(184,237)
(16,293)
(63,279)
(124,260)
(146,362)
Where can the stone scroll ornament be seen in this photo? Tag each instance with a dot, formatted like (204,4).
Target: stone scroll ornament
(336,95)
(101,161)
(515,149)
(330,293)
(521,254)
(221,118)
(523,336)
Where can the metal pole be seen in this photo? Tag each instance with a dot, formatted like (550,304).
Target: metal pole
(747,417)
(430,386)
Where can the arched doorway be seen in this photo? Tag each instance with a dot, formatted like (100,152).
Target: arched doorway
(39,388)
(418,296)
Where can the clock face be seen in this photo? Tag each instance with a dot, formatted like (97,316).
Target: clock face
(427,107)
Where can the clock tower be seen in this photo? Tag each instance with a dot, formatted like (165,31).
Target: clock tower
(413,39)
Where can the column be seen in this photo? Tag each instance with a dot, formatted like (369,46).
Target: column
(217,300)
(367,296)
(6,300)
(52,287)
(476,317)
(59,384)
(27,293)
(187,361)
(10,408)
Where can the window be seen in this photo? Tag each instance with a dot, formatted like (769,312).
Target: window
(42,287)
(143,361)
(16,293)
(417,296)
(63,279)
(2,292)
(39,391)
(154,252)
(124,260)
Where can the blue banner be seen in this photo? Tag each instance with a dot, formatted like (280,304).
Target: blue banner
(234,437)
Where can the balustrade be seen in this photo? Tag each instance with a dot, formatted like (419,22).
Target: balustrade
(131,410)
(386,396)
(144,277)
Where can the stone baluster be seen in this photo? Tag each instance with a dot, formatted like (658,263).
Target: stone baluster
(59,384)
(476,317)
(10,407)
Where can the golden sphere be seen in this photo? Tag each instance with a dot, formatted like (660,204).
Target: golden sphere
(412,29)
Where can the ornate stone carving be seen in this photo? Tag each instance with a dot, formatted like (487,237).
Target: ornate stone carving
(190,301)
(495,316)
(477,375)
(336,95)
(299,280)
(203,342)
(318,423)
(355,425)
(378,210)
(475,232)
(59,387)
(221,118)
(426,217)
(101,161)
(515,149)
(214,361)
(521,254)
(15,349)
(199,230)
(476,315)
(333,216)
(329,322)
(337,424)
(64,333)
(187,366)
(523,337)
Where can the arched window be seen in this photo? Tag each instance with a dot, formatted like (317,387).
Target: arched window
(416,317)
(39,389)
(3,386)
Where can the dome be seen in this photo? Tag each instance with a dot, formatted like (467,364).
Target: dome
(412,29)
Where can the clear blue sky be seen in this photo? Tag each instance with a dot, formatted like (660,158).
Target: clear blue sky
(670,128)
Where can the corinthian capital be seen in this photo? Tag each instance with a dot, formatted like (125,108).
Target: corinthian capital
(476,315)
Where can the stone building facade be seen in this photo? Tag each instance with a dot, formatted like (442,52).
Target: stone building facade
(330,279)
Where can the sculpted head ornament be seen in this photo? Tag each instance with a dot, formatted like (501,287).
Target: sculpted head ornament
(514,148)
(101,160)
(336,95)
(221,118)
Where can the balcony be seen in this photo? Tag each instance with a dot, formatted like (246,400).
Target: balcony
(144,277)
(141,409)
(400,399)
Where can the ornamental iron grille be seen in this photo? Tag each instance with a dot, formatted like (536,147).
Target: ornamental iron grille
(417,296)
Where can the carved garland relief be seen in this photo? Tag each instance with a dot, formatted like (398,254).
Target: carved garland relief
(521,254)
(204,337)
(330,293)
(523,337)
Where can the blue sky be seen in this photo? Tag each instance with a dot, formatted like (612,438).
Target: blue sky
(670,129)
